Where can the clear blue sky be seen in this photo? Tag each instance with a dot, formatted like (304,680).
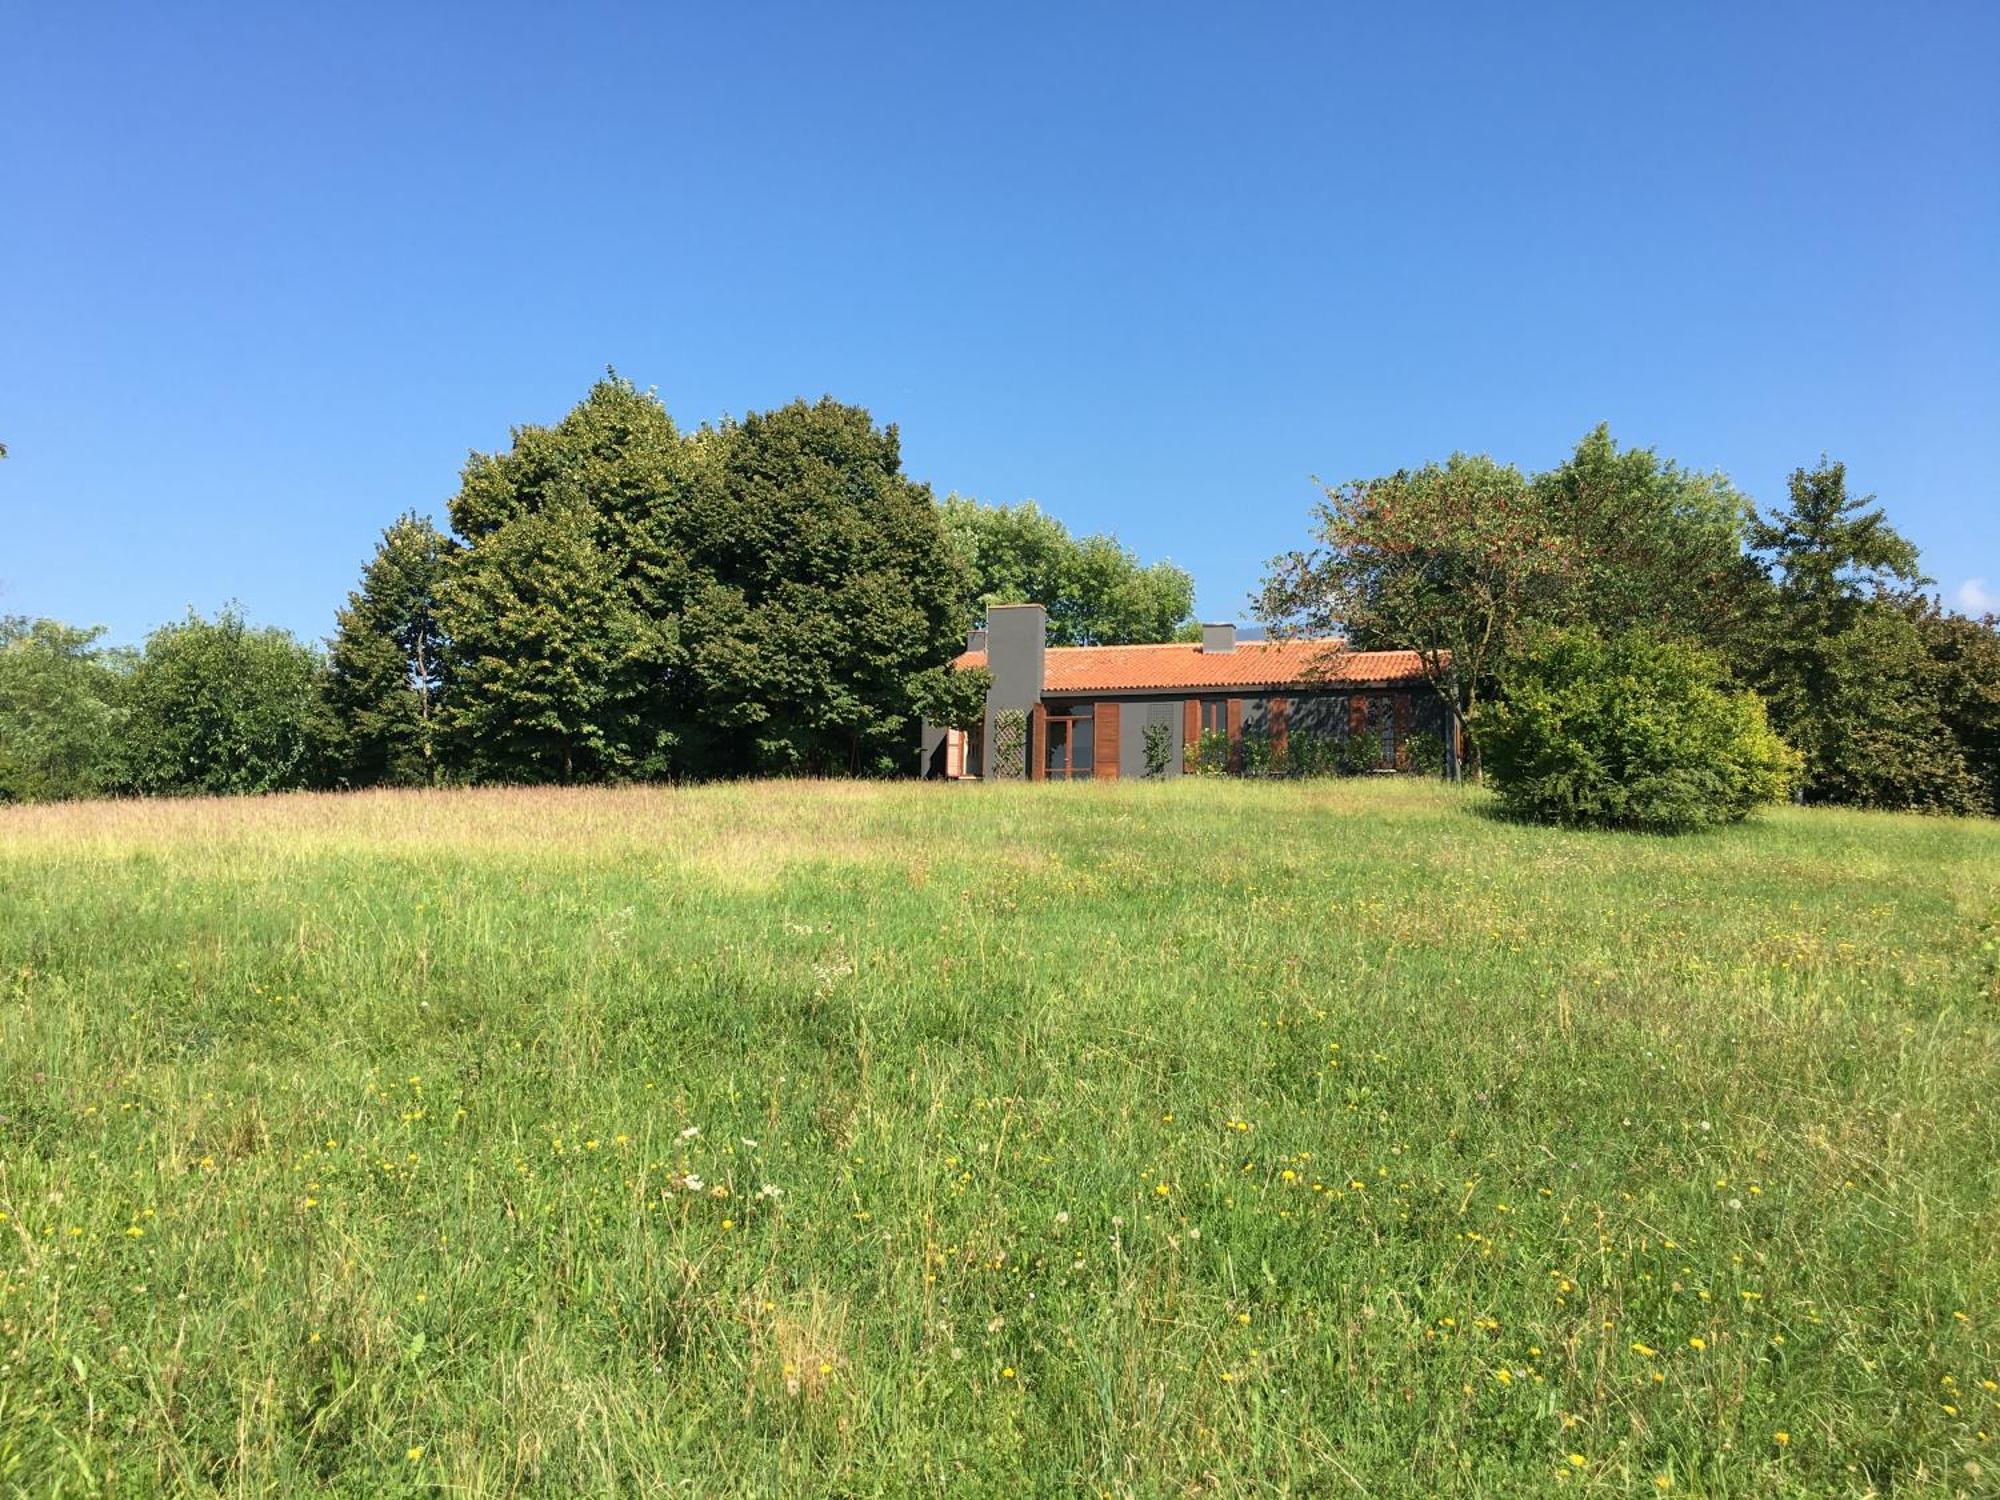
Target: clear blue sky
(269,272)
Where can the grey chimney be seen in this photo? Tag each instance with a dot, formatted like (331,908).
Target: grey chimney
(1016,646)
(975,640)
(1218,638)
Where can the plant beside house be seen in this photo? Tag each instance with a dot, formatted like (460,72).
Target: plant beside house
(1010,744)
(1631,732)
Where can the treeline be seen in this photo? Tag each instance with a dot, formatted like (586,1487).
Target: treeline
(1509,582)
(614,599)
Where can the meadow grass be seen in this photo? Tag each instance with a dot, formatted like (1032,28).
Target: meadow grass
(1128,1139)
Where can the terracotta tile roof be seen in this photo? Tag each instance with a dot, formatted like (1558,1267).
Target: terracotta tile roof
(1253,664)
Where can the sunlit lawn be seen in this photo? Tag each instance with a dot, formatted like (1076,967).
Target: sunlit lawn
(1183,1139)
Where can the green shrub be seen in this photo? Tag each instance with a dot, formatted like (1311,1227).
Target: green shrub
(1425,749)
(1360,754)
(1208,755)
(1313,753)
(1263,754)
(219,706)
(1633,732)
(1159,748)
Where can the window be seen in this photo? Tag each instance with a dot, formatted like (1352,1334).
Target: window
(1071,738)
(1215,716)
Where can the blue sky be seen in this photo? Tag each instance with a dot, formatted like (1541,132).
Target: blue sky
(271,271)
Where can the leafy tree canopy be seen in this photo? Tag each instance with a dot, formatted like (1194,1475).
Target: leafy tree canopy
(755,597)
(819,585)
(1842,660)
(1965,657)
(1454,560)
(1650,544)
(216,706)
(388,661)
(1096,590)
(62,710)
(1449,560)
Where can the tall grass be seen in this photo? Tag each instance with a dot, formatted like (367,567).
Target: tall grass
(1135,1139)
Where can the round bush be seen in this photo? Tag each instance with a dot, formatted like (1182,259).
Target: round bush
(1633,732)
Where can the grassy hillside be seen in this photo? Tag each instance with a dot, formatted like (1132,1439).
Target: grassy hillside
(1196,1138)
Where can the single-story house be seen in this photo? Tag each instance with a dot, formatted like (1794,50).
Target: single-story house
(1062,712)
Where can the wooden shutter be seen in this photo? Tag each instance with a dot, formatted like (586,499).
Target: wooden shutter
(1104,755)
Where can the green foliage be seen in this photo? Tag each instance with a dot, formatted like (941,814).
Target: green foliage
(561,603)
(1010,744)
(1208,755)
(1314,754)
(1648,544)
(1965,662)
(1450,561)
(1261,754)
(1832,553)
(1455,561)
(954,697)
(763,597)
(1842,661)
(815,584)
(61,710)
(1096,591)
(387,662)
(1359,754)
(216,706)
(1425,749)
(551,656)
(1159,745)
(1874,729)
(1633,732)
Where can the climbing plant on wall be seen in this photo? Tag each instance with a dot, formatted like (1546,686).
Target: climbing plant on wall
(1010,744)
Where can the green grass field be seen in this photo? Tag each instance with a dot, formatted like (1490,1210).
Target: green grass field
(1199,1138)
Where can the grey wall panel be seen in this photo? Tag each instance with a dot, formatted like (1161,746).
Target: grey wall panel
(1320,713)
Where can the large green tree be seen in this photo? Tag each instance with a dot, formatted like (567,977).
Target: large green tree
(1965,657)
(1650,545)
(62,710)
(561,599)
(552,678)
(1454,560)
(764,596)
(387,662)
(1450,561)
(1841,660)
(818,585)
(219,706)
(1096,590)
